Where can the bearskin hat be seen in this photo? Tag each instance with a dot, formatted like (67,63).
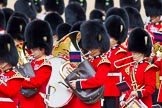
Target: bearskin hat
(140,41)
(21,15)
(62,30)
(2,20)
(3,2)
(73,13)
(76,26)
(27,7)
(132,3)
(16,27)
(153,7)
(104,5)
(83,3)
(55,6)
(38,5)
(97,14)
(7,12)
(120,12)
(8,52)
(135,19)
(54,19)
(116,28)
(94,35)
(38,34)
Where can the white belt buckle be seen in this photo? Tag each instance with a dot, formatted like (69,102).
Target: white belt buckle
(111,74)
(6,100)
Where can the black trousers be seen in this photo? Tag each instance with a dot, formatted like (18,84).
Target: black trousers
(111,102)
(154,97)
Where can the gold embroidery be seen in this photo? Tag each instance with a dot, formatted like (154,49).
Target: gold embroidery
(150,66)
(120,50)
(104,60)
(46,62)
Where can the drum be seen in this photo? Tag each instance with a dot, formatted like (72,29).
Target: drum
(57,93)
(134,103)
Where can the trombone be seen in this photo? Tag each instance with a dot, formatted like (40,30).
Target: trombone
(115,62)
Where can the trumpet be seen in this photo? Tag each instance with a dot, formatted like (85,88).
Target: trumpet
(115,62)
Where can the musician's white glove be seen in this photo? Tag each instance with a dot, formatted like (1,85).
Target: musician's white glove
(69,89)
(73,84)
(122,103)
(27,79)
(134,94)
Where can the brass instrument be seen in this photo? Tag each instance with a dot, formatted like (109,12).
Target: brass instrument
(22,57)
(157,50)
(66,69)
(56,83)
(66,44)
(24,67)
(56,86)
(115,62)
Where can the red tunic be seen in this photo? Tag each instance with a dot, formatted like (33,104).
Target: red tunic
(9,91)
(116,53)
(42,75)
(144,78)
(101,68)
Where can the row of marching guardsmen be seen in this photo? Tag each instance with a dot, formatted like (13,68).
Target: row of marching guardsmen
(121,35)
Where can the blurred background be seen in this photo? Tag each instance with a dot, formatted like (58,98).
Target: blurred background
(90,6)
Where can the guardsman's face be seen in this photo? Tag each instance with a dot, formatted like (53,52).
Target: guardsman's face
(137,56)
(113,42)
(37,52)
(155,19)
(2,65)
(94,52)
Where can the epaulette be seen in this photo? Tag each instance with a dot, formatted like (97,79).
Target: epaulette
(45,63)
(103,60)
(150,66)
(120,50)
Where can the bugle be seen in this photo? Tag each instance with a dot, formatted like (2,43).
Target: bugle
(122,59)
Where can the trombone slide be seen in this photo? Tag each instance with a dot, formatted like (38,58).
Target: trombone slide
(122,59)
